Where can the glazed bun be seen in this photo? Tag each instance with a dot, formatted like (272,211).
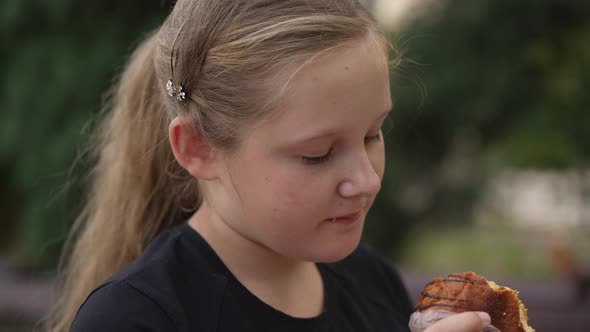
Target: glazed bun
(468,291)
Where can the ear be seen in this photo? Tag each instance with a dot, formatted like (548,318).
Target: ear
(191,150)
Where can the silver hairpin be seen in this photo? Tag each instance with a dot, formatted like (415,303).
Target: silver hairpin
(178,90)
(170,88)
(181,93)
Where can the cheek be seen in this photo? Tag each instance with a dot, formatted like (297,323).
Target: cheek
(280,189)
(298,192)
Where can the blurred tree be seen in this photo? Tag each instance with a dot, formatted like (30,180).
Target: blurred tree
(498,84)
(58,58)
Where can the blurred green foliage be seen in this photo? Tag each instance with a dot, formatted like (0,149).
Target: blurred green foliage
(494,83)
(58,58)
(487,84)
(495,252)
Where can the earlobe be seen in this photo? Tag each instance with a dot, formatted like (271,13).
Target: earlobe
(191,150)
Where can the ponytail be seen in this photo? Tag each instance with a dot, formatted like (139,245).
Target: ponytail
(136,188)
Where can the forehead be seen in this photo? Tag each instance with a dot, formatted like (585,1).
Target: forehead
(339,88)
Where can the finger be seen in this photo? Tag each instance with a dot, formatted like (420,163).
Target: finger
(463,322)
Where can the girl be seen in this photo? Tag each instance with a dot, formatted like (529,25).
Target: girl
(234,174)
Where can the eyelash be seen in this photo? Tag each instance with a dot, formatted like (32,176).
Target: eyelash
(323,159)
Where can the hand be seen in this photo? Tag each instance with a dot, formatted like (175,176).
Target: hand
(463,322)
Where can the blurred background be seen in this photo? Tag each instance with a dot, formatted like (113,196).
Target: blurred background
(488,146)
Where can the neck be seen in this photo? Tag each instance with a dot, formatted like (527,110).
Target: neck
(289,285)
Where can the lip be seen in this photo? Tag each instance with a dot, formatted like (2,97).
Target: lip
(346,219)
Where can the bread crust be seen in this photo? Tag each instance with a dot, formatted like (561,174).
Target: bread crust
(467,291)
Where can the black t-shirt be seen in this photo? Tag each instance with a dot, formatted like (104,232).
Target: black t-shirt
(180,284)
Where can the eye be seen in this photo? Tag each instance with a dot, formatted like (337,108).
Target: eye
(319,159)
(326,157)
(373,138)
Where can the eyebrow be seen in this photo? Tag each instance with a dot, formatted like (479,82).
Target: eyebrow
(331,132)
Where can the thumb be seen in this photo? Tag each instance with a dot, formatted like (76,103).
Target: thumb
(463,322)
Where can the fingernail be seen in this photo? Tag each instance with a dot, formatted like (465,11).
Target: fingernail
(485,318)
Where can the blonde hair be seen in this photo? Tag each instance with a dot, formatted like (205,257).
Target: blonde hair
(227,56)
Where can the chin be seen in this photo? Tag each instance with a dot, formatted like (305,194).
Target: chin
(334,251)
(334,257)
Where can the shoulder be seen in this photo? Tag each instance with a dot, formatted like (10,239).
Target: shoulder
(118,306)
(378,279)
(171,281)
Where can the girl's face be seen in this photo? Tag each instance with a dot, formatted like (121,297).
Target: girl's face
(300,183)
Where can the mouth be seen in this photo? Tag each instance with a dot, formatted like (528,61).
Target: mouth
(346,219)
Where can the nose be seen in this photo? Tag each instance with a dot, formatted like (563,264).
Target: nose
(362,181)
